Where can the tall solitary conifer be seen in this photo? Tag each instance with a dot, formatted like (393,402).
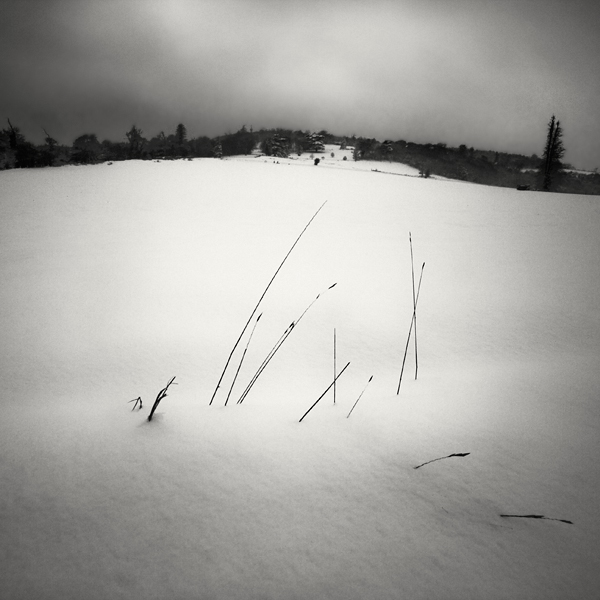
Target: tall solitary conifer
(551,164)
(181,134)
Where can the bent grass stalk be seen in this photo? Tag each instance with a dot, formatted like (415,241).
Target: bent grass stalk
(242,359)
(278,345)
(457,454)
(258,303)
(537,517)
(412,321)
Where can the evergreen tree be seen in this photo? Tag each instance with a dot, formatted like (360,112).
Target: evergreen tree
(181,140)
(551,165)
(276,146)
(181,134)
(314,142)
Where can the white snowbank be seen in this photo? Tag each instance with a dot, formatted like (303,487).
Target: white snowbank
(117,278)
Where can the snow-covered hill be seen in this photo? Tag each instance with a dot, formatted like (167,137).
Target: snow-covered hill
(118,277)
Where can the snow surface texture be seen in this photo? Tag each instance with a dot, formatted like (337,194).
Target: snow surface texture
(115,278)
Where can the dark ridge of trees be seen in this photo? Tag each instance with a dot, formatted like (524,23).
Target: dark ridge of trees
(464,163)
(241,142)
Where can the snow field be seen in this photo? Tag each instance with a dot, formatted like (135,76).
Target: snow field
(118,277)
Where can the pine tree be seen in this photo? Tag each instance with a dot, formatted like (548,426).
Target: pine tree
(181,139)
(276,146)
(314,143)
(181,134)
(551,165)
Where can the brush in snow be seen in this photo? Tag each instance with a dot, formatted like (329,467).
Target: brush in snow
(137,401)
(368,382)
(242,359)
(278,345)
(328,388)
(259,301)
(160,396)
(537,517)
(459,454)
(412,322)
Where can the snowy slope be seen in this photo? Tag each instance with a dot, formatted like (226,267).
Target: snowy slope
(118,277)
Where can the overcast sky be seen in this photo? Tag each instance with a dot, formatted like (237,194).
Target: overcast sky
(485,73)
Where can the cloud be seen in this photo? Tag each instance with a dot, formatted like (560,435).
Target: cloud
(482,74)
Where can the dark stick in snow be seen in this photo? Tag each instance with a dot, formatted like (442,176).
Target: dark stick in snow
(537,517)
(442,458)
(160,396)
(136,400)
(278,345)
(412,321)
(412,267)
(265,362)
(328,388)
(242,359)
(258,303)
(368,382)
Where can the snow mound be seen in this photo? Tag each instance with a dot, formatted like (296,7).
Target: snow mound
(116,279)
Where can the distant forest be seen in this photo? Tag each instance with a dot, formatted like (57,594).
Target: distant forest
(486,167)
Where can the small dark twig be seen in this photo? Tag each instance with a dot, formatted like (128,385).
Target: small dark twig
(443,457)
(330,386)
(160,396)
(361,394)
(136,400)
(537,517)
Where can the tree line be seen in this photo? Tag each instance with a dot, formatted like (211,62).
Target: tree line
(501,169)
(487,167)
(17,152)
